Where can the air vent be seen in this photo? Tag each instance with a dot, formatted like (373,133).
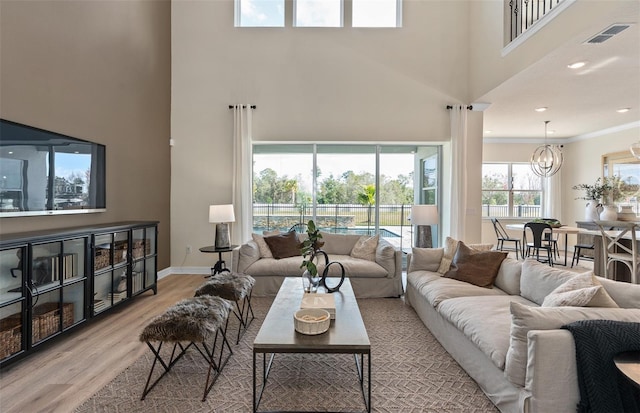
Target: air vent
(607,33)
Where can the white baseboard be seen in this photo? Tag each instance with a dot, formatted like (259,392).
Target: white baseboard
(184,270)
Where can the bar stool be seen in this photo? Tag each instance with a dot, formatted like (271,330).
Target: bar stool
(615,251)
(577,252)
(237,288)
(196,321)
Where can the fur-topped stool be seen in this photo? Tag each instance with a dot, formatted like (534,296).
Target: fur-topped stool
(199,321)
(234,287)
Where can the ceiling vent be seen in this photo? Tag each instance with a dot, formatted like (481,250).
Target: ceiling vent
(607,33)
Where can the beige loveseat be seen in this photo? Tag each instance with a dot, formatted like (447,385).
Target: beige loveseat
(378,274)
(504,337)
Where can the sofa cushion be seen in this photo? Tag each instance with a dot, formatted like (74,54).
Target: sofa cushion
(440,289)
(273,267)
(338,243)
(418,279)
(427,259)
(508,279)
(525,318)
(353,267)
(583,290)
(624,294)
(284,245)
(265,252)
(538,280)
(365,248)
(476,267)
(485,321)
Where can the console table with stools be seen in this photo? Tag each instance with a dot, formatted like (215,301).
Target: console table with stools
(199,321)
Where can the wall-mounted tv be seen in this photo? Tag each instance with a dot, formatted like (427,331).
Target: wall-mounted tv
(44,173)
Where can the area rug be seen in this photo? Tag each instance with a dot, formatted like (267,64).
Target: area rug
(411,373)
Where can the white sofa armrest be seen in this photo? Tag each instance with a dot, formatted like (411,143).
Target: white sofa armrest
(551,380)
(389,258)
(244,255)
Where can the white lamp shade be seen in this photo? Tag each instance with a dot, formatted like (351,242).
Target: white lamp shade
(424,215)
(221,213)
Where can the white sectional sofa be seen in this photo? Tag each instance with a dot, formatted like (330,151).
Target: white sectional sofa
(377,275)
(511,345)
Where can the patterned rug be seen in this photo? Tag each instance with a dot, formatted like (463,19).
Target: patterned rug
(411,372)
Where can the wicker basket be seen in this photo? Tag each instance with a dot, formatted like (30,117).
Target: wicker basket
(10,335)
(141,248)
(46,319)
(102,258)
(120,252)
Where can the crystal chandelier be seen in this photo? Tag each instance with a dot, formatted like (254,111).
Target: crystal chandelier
(546,160)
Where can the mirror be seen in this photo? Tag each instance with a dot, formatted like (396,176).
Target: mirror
(627,167)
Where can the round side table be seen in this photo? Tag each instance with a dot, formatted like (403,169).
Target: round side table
(220,266)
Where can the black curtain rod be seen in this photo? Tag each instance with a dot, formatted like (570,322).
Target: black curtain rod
(243,106)
(470,107)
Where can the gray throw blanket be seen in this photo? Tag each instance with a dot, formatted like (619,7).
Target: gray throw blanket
(602,387)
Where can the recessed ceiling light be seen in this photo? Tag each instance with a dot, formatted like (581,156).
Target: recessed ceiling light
(551,132)
(576,65)
(623,110)
(541,109)
(488,131)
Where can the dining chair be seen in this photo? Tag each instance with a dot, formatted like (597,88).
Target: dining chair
(539,231)
(615,250)
(502,236)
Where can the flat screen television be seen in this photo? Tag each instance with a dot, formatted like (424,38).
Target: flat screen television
(44,172)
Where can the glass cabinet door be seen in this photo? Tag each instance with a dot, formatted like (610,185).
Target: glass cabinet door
(45,266)
(73,259)
(11,274)
(11,301)
(49,315)
(143,255)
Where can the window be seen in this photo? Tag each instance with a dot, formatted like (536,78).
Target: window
(510,190)
(376,13)
(318,13)
(259,13)
(353,188)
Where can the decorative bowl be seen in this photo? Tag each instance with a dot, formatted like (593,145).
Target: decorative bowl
(311,321)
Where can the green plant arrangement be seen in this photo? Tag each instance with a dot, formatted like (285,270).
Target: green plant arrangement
(310,247)
(608,190)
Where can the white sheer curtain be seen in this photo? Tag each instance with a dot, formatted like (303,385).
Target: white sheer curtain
(552,207)
(458,116)
(242,173)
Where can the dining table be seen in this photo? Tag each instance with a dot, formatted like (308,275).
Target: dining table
(563,229)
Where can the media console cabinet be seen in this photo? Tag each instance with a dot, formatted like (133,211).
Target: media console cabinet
(56,280)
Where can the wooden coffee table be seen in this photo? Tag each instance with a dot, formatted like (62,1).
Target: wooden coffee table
(346,335)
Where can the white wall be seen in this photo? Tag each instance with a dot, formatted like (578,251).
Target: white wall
(309,84)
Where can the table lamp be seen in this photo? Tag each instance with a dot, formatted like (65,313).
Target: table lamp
(221,215)
(423,216)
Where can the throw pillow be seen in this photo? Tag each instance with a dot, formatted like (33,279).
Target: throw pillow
(365,248)
(340,244)
(265,252)
(283,245)
(425,259)
(475,267)
(525,318)
(450,247)
(583,290)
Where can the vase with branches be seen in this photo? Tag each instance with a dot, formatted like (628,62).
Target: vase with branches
(311,248)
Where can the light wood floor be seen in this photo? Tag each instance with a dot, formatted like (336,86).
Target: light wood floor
(63,375)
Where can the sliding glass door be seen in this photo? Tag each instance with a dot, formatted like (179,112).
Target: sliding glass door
(350,188)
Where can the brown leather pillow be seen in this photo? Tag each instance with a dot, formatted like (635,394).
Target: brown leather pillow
(283,245)
(476,267)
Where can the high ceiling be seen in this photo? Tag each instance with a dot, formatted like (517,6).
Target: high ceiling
(579,101)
